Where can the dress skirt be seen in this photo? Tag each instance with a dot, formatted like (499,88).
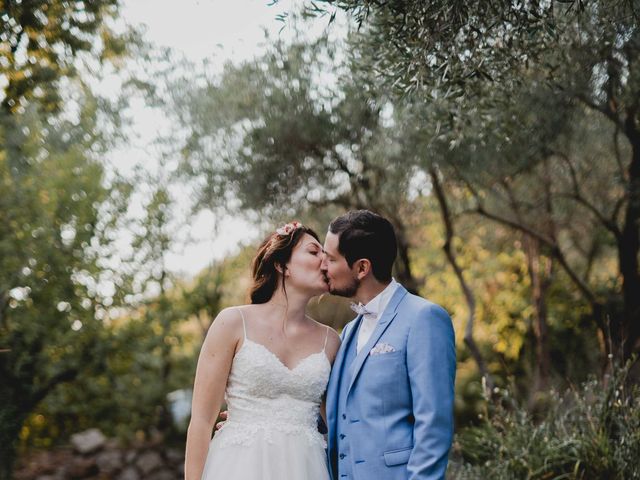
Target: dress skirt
(265,455)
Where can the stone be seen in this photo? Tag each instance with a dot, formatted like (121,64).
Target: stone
(129,473)
(164,474)
(81,467)
(109,461)
(130,457)
(149,461)
(112,444)
(175,456)
(88,441)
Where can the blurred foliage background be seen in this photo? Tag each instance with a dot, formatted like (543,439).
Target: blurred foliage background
(501,139)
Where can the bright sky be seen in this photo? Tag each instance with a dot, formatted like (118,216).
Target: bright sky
(200,28)
(214,29)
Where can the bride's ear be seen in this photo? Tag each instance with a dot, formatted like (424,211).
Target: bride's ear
(282,270)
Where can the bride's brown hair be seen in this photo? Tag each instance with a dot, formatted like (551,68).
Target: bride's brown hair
(275,251)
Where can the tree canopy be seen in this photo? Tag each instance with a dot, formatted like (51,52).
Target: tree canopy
(41,39)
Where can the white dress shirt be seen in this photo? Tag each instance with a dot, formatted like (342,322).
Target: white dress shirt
(376,306)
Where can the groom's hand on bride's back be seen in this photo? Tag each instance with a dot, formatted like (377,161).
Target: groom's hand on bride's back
(224,416)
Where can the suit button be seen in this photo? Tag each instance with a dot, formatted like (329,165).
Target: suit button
(344,416)
(342,455)
(342,435)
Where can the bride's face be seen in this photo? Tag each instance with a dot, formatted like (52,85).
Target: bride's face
(303,269)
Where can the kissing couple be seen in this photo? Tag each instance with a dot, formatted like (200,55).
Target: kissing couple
(384,387)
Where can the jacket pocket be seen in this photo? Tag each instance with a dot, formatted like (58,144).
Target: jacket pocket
(397,457)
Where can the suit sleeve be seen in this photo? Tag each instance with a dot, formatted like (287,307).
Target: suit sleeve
(431,365)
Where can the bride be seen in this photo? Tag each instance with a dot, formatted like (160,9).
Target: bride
(271,364)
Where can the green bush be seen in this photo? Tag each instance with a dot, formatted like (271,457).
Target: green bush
(588,433)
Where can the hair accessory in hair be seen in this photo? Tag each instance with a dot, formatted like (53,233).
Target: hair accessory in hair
(288,228)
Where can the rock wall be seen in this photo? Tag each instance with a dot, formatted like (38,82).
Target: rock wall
(92,456)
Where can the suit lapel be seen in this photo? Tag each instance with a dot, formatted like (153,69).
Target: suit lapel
(349,335)
(337,369)
(385,320)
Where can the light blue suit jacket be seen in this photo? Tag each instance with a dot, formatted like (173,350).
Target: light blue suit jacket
(400,403)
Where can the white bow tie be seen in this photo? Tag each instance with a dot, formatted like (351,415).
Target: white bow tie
(360,309)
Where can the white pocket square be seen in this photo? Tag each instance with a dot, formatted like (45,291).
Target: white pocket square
(381,348)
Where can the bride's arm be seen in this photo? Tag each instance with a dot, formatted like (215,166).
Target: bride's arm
(331,350)
(212,372)
(323,409)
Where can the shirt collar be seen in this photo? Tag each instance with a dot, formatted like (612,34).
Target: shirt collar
(378,303)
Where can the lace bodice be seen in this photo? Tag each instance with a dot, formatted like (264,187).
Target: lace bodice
(264,394)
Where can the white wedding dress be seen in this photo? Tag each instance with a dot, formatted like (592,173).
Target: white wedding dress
(271,433)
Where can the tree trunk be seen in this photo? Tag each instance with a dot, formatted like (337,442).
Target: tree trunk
(21,391)
(625,332)
(12,421)
(403,266)
(165,420)
(13,413)
(540,270)
(466,290)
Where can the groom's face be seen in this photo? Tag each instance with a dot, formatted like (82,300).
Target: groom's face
(340,278)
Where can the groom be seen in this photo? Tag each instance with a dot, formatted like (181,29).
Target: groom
(391,390)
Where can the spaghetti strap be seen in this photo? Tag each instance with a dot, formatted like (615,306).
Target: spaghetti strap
(244,325)
(325,340)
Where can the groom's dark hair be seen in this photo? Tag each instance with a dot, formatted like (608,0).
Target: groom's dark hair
(364,234)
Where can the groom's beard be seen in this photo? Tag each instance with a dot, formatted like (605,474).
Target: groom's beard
(348,291)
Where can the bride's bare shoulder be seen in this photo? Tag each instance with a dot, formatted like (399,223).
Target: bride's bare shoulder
(333,337)
(333,344)
(228,323)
